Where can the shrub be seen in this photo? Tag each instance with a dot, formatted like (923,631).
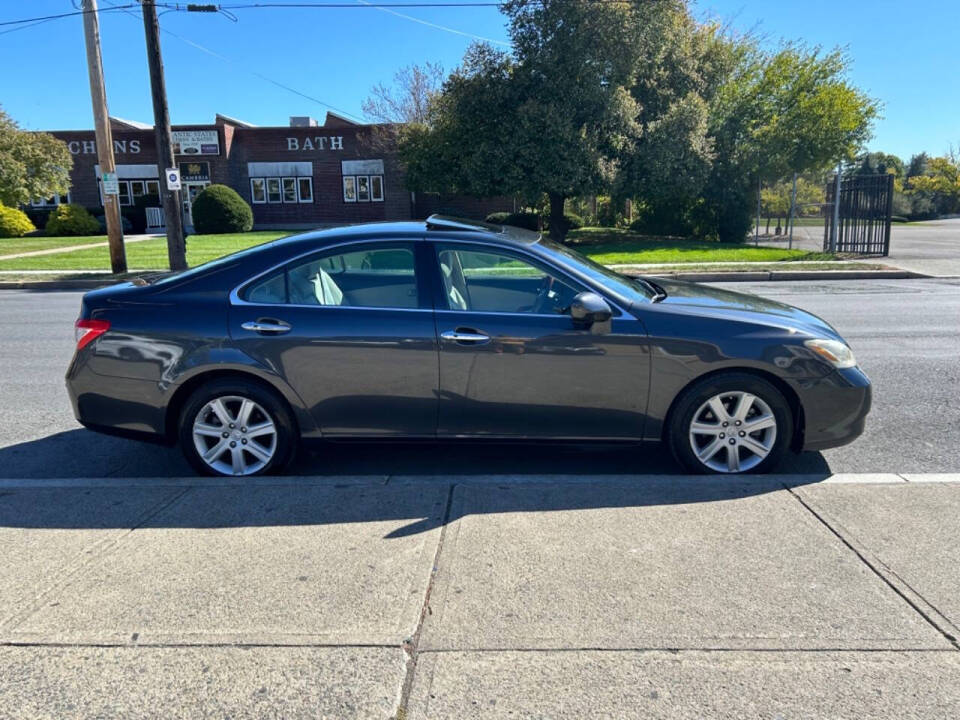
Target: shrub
(574,222)
(14,223)
(72,219)
(124,223)
(219,209)
(525,220)
(898,219)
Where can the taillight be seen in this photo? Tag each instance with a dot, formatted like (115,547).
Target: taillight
(89,330)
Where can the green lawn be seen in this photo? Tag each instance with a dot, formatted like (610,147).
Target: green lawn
(11,246)
(613,247)
(605,245)
(145,254)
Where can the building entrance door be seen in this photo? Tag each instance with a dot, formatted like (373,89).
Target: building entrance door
(189,194)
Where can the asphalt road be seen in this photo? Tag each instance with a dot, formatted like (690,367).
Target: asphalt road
(906,335)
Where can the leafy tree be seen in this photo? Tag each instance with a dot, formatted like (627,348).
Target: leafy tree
(917,165)
(408,101)
(32,164)
(776,114)
(553,119)
(877,163)
(941,184)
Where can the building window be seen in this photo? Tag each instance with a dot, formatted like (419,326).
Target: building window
(305,189)
(137,188)
(124,186)
(258,191)
(363,188)
(52,201)
(289,190)
(273,190)
(153,187)
(281,190)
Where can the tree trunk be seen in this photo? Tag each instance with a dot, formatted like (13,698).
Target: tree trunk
(558,224)
(768,225)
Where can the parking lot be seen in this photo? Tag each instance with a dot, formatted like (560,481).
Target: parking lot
(453,581)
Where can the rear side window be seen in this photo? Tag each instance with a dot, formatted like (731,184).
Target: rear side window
(382,277)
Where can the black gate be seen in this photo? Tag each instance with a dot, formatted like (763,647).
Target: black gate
(866,205)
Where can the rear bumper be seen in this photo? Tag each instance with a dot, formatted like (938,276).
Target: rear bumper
(118,406)
(835,408)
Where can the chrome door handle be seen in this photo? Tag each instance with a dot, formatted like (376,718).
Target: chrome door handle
(262,327)
(467,337)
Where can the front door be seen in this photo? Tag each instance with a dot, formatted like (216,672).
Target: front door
(188,195)
(512,362)
(351,332)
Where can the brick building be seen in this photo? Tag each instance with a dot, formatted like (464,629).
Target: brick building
(302,175)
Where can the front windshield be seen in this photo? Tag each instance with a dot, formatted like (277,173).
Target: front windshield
(628,288)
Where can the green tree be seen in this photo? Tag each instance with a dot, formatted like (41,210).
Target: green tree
(776,114)
(877,163)
(554,118)
(32,164)
(941,184)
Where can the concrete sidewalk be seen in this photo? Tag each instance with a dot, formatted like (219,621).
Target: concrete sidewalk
(484,596)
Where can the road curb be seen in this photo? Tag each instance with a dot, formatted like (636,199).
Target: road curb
(783,275)
(748,276)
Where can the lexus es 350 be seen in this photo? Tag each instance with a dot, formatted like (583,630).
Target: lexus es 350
(453,329)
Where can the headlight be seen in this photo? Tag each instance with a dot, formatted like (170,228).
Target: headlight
(833,351)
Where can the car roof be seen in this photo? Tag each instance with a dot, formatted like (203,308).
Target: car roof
(435,225)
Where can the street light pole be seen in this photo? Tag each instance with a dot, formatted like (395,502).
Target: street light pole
(176,247)
(101,120)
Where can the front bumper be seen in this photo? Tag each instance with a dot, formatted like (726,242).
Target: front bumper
(835,408)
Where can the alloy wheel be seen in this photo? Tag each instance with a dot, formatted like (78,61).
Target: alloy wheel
(234,435)
(733,432)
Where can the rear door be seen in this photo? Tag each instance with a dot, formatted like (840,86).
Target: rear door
(351,330)
(512,362)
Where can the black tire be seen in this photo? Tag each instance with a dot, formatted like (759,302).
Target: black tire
(269,402)
(693,399)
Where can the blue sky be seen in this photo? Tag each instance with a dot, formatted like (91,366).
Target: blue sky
(904,53)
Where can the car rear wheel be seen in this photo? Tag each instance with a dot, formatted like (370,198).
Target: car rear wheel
(731,423)
(236,428)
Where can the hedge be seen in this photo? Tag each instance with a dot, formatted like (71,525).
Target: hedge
(72,219)
(219,209)
(14,223)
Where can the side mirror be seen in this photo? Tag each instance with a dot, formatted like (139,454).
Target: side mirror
(588,308)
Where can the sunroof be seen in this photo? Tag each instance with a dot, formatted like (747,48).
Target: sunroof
(445,222)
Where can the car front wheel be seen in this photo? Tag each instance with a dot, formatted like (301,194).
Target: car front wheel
(731,423)
(236,428)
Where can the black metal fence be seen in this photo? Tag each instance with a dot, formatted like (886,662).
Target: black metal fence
(866,207)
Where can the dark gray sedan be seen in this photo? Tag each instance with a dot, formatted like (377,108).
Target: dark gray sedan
(453,329)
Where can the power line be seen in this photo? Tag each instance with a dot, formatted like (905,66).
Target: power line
(434,25)
(45,18)
(230,61)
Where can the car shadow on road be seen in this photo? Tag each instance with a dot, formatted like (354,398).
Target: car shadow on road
(85,454)
(409,488)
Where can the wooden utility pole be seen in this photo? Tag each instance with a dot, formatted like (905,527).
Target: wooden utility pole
(101,119)
(176,247)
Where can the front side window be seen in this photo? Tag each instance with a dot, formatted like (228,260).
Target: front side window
(363,188)
(138,188)
(153,187)
(381,277)
(482,281)
(376,188)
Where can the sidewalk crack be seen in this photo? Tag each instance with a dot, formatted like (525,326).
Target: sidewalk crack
(952,639)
